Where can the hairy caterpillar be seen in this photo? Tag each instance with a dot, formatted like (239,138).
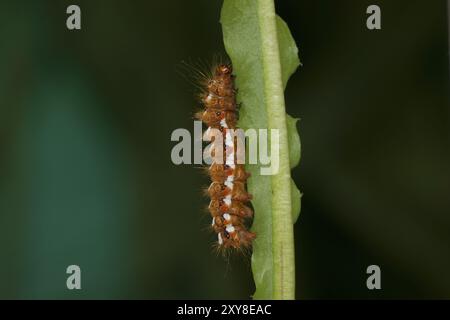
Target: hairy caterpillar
(229,197)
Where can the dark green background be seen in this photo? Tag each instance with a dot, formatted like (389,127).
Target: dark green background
(85,170)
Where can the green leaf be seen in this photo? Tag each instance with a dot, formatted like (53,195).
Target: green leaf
(294,160)
(288,51)
(294,141)
(264,56)
(296,197)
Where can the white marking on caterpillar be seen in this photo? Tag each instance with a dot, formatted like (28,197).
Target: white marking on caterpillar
(229,139)
(227,217)
(219,236)
(230,159)
(223,123)
(209,98)
(229,182)
(227,200)
(230,228)
(229,185)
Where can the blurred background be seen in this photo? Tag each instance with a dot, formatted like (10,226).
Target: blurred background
(85,170)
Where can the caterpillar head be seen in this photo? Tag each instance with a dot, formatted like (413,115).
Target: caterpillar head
(224,69)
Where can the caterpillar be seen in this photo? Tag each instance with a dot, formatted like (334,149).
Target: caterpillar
(229,198)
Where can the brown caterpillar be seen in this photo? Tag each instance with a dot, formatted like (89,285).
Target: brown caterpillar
(229,197)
